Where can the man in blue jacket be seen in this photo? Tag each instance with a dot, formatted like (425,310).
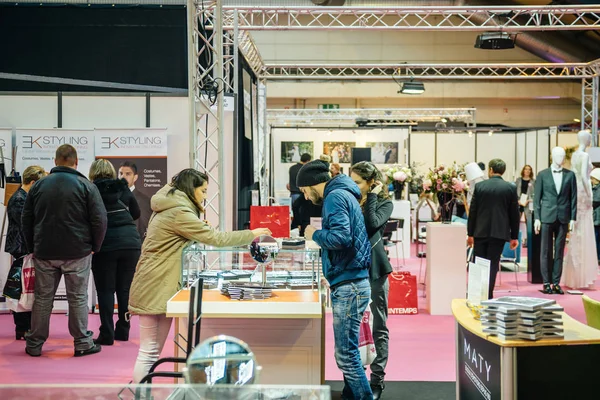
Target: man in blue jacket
(346,253)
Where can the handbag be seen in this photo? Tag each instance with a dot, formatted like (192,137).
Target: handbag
(12,288)
(366,343)
(28,283)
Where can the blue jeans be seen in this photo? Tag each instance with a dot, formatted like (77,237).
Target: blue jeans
(349,301)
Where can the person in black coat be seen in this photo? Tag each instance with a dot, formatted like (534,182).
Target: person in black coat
(493,218)
(114,265)
(15,242)
(377,209)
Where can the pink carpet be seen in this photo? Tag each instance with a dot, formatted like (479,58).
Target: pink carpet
(421,346)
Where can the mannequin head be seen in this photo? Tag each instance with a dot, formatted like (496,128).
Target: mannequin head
(584,138)
(558,156)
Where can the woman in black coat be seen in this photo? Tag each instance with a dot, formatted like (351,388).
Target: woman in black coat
(377,209)
(114,265)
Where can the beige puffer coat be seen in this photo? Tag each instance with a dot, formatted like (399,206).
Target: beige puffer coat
(174,223)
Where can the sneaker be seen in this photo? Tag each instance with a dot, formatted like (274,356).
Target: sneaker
(93,350)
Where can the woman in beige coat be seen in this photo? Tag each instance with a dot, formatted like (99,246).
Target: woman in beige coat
(174,223)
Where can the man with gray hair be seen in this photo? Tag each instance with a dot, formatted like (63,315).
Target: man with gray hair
(493,218)
(64,222)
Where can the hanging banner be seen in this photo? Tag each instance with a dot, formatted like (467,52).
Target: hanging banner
(140,157)
(38,147)
(5,259)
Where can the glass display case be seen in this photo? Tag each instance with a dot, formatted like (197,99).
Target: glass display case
(296,268)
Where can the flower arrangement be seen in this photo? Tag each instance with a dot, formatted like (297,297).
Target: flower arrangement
(444,179)
(397,173)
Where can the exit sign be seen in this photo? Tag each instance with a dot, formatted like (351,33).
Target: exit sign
(329,106)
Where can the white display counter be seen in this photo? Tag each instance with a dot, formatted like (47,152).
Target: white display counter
(446,277)
(402,211)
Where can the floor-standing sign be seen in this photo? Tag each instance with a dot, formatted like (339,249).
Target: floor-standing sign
(38,147)
(139,156)
(5,260)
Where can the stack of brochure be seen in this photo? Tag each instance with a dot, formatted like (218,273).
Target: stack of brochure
(530,318)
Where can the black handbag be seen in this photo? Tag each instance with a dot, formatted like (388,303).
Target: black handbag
(13,286)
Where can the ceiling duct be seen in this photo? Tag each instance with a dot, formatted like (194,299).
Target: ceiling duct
(329,2)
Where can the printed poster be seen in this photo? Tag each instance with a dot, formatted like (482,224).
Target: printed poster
(5,258)
(140,157)
(38,147)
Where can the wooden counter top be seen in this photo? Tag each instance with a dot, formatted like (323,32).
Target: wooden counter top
(575,332)
(283,304)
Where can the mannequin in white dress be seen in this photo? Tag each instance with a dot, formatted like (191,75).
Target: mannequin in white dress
(581,269)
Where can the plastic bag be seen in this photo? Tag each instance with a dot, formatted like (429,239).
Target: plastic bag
(28,280)
(366,344)
(12,288)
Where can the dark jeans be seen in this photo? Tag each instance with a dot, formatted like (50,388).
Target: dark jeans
(47,277)
(113,273)
(295,211)
(349,300)
(597,231)
(551,266)
(380,290)
(490,249)
(22,321)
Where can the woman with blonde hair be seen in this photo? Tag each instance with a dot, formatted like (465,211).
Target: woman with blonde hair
(16,246)
(175,222)
(114,265)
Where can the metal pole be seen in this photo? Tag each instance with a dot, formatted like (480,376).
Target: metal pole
(218,25)
(192,71)
(236,120)
(595,88)
(262,91)
(583,103)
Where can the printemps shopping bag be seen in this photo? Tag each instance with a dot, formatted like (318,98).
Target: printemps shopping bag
(12,288)
(366,344)
(28,280)
(403,299)
(276,218)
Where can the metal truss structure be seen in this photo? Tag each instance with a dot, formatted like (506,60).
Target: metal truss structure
(450,18)
(217,73)
(349,117)
(428,71)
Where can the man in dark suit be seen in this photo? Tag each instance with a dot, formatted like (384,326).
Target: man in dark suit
(493,218)
(555,210)
(129,172)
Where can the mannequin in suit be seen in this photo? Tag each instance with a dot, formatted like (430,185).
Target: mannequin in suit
(555,208)
(493,218)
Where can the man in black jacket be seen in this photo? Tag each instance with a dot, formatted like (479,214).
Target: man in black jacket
(295,192)
(493,218)
(64,222)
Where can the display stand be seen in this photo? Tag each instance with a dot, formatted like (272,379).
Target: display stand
(534,243)
(402,211)
(490,368)
(446,274)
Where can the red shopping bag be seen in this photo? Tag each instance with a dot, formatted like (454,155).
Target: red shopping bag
(403,294)
(28,282)
(276,218)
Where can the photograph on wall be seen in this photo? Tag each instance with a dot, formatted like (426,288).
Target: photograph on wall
(291,151)
(140,157)
(340,152)
(383,152)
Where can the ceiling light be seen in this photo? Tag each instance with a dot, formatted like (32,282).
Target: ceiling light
(494,41)
(470,133)
(412,88)
(444,120)
(491,132)
(576,120)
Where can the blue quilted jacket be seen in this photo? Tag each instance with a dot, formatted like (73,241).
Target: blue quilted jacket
(344,242)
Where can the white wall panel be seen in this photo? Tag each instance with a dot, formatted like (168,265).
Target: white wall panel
(543,156)
(499,145)
(104,112)
(458,147)
(520,152)
(531,149)
(28,111)
(567,139)
(422,150)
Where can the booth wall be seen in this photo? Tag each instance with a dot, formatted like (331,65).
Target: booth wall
(322,135)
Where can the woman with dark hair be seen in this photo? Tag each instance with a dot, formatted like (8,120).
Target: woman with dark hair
(114,265)
(377,209)
(175,223)
(525,185)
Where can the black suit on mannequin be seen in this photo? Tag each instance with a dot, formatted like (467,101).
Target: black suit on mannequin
(555,209)
(493,221)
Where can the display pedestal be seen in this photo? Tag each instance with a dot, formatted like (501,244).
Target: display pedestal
(490,368)
(285,332)
(446,266)
(534,243)
(402,211)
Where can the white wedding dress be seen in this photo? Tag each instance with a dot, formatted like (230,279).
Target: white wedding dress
(581,267)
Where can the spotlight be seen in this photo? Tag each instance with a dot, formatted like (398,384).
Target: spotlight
(491,132)
(494,41)
(470,133)
(444,120)
(412,88)
(576,120)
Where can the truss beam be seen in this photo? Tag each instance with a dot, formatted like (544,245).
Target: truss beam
(589,106)
(361,117)
(451,18)
(427,71)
